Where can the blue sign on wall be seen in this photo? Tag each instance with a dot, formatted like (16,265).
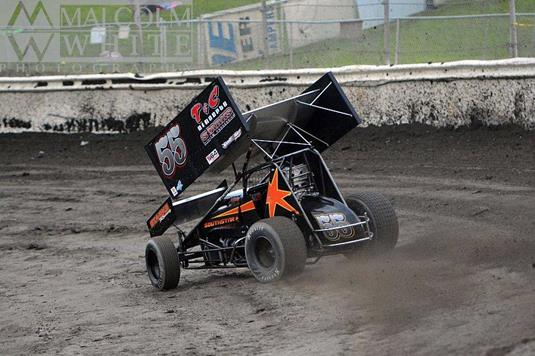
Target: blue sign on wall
(222,42)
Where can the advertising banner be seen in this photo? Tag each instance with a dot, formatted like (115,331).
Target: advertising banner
(227,40)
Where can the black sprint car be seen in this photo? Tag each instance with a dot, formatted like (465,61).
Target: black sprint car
(283,209)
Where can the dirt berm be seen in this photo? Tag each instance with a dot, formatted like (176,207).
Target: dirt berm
(461,280)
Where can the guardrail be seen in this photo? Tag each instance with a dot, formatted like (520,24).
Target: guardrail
(440,94)
(361,75)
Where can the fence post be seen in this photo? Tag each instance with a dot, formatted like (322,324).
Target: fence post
(513,36)
(137,15)
(291,45)
(201,63)
(396,55)
(162,43)
(386,5)
(265,32)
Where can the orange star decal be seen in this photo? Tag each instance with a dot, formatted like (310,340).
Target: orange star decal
(275,196)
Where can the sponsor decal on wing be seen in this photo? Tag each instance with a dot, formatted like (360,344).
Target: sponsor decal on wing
(217,125)
(217,115)
(235,136)
(160,215)
(212,156)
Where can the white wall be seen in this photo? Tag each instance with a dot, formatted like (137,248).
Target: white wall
(449,94)
(398,8)
(302,10)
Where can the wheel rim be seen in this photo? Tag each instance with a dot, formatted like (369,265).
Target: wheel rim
(153,265)
(264,252)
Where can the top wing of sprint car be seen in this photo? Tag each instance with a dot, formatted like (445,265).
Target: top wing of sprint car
(211,133)
(208,128)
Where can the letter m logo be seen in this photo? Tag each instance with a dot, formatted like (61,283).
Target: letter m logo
(30,46)
(31,18)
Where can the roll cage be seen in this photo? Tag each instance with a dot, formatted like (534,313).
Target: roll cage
(304,153)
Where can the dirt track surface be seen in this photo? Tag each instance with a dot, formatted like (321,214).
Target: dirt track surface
(461,280)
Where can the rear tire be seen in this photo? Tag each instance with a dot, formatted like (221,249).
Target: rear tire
(162,263)
(275,248)
(383,223)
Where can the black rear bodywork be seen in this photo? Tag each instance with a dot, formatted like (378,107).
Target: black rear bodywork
(291,180)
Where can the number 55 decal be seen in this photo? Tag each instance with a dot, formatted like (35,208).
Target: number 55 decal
(172,151)
(332,221)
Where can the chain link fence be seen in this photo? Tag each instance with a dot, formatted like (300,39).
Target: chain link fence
(274,34)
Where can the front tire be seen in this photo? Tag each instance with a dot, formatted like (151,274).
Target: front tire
(383,223)
(162,263)
(275,248)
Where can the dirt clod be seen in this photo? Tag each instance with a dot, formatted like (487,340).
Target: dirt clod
(35,246)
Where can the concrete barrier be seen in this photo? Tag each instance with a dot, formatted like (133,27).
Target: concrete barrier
(439,94)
